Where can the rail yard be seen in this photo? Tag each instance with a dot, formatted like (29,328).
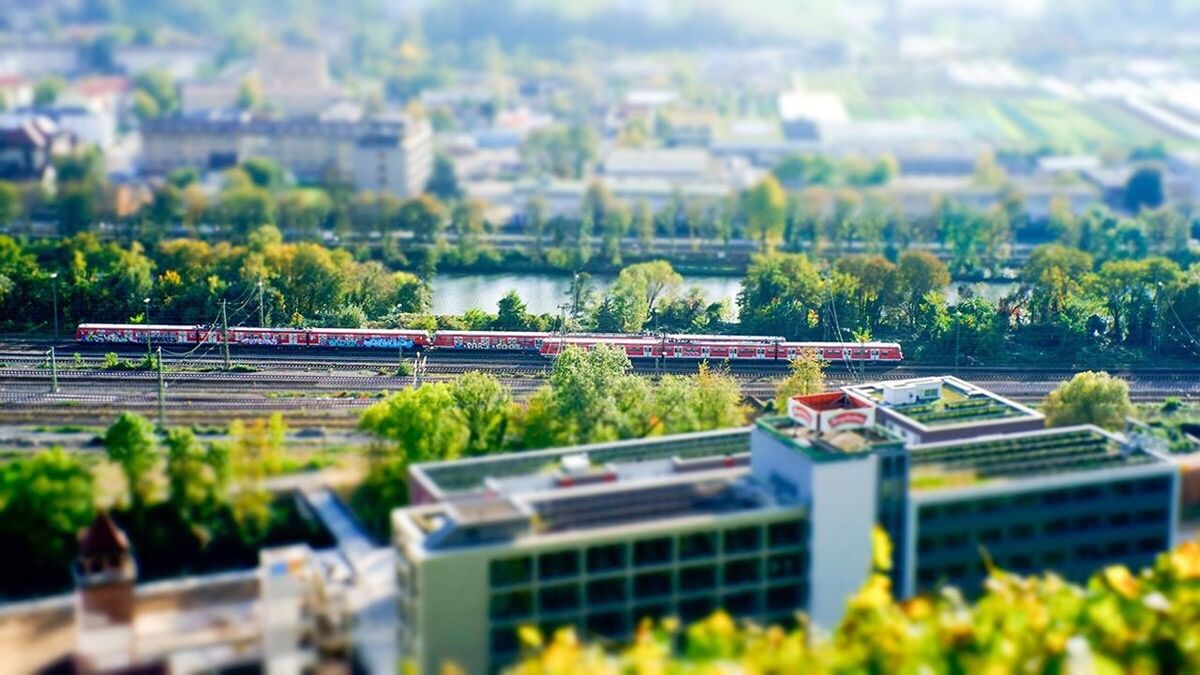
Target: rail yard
(326,388)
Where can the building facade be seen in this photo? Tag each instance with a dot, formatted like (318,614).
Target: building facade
(767,521)
(391,154)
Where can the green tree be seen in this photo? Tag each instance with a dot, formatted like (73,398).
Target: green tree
(920,273)
(249,96)
(47,90)
(765,206)
(513,314)
(424,216)
(45,500)
(783,294)
(1144,189)
(638,289)
(443,180)
(806,375)
(264,173)
(419,424)
(245,208)
(131,444)
(584,385)
(198,480)
(481,404)
(1089,398)
(158,85)
(10,203)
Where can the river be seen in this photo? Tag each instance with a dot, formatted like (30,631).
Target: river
(546,293)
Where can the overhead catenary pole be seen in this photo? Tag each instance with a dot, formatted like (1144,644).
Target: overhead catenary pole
(261,314)
(162,395)
(146,301)
(54,294)
(53,371)
(225,335)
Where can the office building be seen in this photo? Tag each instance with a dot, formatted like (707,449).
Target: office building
(766,521)
(381,154)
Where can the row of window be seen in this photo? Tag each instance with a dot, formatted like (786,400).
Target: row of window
(1057,527)
(519,603)
(1037,500)
(614,558)
(1087,557)
(776,602)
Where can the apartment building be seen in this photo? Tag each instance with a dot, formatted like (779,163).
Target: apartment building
(389,154)
(765,521)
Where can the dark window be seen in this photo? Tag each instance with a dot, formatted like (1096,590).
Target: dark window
(703,577)
(785,565)
(741,604)
(697,545)
(557,565)
(783,598)
(695,609)
(654,612)
(992,535)
(514,605)
(652,584)
(743,540)
(559,598)
(742,571)
(785,534)
(606,558)
(1022,531)
(1152,544)
(608,624)
(509,571)
(653,551)
(606,591)
(504,641)
(1150,485)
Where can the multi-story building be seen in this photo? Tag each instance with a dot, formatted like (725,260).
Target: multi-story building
(390,154)
(766,521)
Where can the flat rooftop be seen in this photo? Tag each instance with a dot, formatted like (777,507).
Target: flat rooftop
(933,402)
(544,469)
(1018,456)
(835,444)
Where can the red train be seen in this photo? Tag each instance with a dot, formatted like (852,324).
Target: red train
(720,347)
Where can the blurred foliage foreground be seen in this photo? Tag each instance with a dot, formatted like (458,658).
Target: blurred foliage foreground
(1119,623)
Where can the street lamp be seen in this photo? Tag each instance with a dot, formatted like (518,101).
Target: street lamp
(54,294)
(146,315)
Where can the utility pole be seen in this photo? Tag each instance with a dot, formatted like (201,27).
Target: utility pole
(957,335)
(146,301)
(261,314)
(225,335)
(53,372)
(162,396)
(54,294)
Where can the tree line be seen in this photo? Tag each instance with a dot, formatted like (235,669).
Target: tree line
(178,497)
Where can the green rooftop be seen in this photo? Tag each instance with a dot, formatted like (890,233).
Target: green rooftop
(1035,454)
(941,401)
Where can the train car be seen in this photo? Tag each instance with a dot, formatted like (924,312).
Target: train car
(888,352)
(368,338)
(722,349)
(714,339)
(112,333)
(259,337)
(489,340)
(634,347)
